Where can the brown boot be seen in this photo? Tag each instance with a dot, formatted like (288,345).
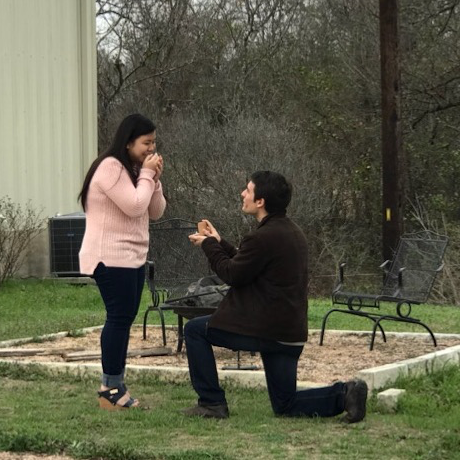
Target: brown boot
(217,411)
(355,401)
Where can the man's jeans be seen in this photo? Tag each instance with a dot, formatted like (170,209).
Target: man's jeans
(280,364)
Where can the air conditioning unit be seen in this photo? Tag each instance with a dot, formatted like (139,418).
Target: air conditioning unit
(66,235)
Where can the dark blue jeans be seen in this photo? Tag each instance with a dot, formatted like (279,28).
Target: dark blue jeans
(280,364)
(121,290)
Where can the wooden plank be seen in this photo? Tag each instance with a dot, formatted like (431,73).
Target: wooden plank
(82,356)
(11,352)
(6,352)
(90,355)
(61,351)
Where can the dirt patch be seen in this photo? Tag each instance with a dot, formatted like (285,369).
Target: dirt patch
(340,358)
(27,456)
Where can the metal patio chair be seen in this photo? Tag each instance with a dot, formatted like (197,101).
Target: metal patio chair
(408,280)
(173,264)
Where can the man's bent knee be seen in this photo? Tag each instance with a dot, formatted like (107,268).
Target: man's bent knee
(195,327)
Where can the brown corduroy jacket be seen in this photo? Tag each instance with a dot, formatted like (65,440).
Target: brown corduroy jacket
(268,279)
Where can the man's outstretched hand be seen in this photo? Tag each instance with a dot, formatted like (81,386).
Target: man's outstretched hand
(210,230)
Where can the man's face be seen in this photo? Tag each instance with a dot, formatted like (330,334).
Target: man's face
(249,204)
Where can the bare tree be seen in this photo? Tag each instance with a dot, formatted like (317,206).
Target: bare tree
(291,85)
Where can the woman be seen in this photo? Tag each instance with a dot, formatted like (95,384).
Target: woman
(121,191)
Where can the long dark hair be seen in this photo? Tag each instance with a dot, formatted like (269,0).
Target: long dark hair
(132,127)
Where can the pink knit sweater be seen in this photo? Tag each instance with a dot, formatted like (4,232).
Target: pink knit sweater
(117,217)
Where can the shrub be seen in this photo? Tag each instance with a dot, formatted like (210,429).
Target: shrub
(19,225)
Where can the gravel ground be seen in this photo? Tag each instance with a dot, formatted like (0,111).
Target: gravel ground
(340,358)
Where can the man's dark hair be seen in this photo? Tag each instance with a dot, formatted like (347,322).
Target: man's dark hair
(273,188)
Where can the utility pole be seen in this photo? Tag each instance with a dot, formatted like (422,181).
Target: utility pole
(393,160)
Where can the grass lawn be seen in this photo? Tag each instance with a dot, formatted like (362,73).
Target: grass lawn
(33,307)
(51,414)
(46,413)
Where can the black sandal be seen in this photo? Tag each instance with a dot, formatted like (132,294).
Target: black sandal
(108,399)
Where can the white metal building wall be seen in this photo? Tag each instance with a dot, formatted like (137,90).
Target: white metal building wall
(47,101)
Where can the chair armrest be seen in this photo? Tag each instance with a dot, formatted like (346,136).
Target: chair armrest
(341,272)
(398,291)
(150,275)
(222,291)
(341,278)
(384,266)
(400,277)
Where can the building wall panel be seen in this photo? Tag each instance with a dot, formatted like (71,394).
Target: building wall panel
(48,106)
(47,111)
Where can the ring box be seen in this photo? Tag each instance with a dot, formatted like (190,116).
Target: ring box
(202,226)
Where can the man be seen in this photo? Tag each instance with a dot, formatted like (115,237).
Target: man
(264,311)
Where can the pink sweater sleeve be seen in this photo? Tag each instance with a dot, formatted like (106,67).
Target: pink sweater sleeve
(113,180)
(157,204)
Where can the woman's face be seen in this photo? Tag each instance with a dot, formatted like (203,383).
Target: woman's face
(141,147)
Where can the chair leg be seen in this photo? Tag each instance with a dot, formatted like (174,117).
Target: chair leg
(163,327)
(374,330)
(402,320)
(323,325)
(144,329)
(180,330)
(356,313)
(239,366)
(430,332)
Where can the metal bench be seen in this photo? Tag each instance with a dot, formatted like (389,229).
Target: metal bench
(408,280)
